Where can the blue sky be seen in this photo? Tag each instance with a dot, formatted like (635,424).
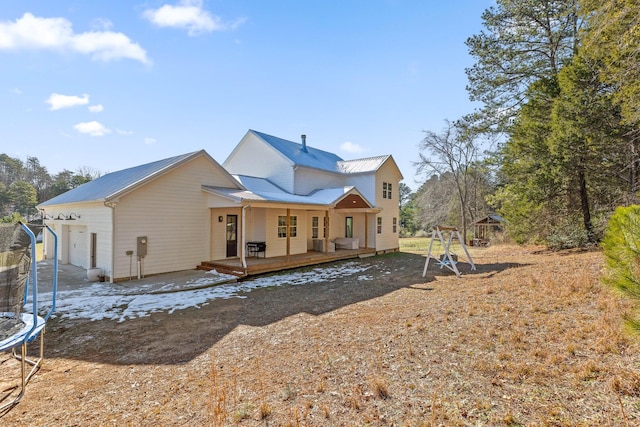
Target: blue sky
(108,85)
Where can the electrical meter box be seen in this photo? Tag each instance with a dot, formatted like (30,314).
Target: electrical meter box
(142,246)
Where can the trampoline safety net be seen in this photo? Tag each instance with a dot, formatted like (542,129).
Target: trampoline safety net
(15,262)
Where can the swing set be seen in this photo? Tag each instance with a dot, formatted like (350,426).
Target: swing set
(448,259)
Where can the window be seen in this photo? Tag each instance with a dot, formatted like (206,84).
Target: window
(386,190)
(348,227)
(282,226)
(314,227)
(326,227)
(293,226)
(395,224)
(379,225)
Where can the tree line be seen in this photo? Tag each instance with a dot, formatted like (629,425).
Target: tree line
(553,147)
(25,184)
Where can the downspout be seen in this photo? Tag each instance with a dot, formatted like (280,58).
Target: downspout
(244,243)
(112,205)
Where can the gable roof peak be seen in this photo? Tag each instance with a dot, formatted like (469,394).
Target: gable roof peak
(301,154)
(114,184)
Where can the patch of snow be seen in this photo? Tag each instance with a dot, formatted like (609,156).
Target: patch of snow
(104,301)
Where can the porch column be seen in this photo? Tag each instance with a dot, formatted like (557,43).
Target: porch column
(243,255)
(288,233)
(326,231)
(366,230)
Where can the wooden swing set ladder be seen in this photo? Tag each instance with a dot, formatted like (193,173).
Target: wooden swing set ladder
(447,260)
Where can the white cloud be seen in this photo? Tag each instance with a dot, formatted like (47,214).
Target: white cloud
(150,141)
(124,132)
(56,34)
(350,147)
(92,128)
(96,108)
(101,24)
(58,101)
(189,15)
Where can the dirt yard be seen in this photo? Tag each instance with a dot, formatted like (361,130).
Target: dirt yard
(530,338)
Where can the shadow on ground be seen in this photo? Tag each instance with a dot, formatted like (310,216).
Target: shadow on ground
(176,338)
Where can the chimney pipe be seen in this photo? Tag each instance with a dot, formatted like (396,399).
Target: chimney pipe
(304,142)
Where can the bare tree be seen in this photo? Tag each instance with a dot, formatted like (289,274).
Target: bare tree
(437,203)
(451,155)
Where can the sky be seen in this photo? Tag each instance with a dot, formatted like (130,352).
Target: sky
(107,85)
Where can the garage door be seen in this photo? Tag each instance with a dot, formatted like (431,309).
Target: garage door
(78,246)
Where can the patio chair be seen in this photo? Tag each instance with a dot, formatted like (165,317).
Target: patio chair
(21,317)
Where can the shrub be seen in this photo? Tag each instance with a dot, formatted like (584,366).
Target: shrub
(621,246)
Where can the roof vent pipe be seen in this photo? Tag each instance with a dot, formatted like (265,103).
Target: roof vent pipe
(304,143)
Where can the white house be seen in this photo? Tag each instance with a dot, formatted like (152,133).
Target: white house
(271,198)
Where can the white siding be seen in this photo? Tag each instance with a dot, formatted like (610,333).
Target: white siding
(78,245)
(219,231)
(256,223)
(254,157)
(171,212)
(277,246)
(91,218)
(338,226)
(320,215)
(371,231)
(388,240)
(308,180)
(366,185)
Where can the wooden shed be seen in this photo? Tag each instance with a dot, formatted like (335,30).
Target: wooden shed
(485,227)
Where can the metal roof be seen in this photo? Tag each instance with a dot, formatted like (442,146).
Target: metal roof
(370,164)
(492,218)
(112,184)
(258,185)
(261,189)
(312,157)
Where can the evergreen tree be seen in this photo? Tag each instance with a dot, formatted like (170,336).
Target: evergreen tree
(587,140)
(612,37)
(524,41)
(529,188)
(24,198)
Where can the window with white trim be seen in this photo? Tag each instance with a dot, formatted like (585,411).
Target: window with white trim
(282,226)
(379,225)
(386,190)
(314,227)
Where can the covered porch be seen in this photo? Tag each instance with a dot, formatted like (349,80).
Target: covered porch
(255,265)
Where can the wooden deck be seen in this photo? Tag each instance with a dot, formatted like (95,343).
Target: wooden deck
(267,265)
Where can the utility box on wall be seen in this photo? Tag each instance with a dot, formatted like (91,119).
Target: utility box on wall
(142,246)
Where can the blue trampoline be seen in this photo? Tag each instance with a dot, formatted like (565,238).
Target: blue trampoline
(22,315)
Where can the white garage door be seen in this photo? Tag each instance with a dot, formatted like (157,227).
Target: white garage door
(78,246)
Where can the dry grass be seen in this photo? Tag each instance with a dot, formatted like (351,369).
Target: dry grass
(531,338)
